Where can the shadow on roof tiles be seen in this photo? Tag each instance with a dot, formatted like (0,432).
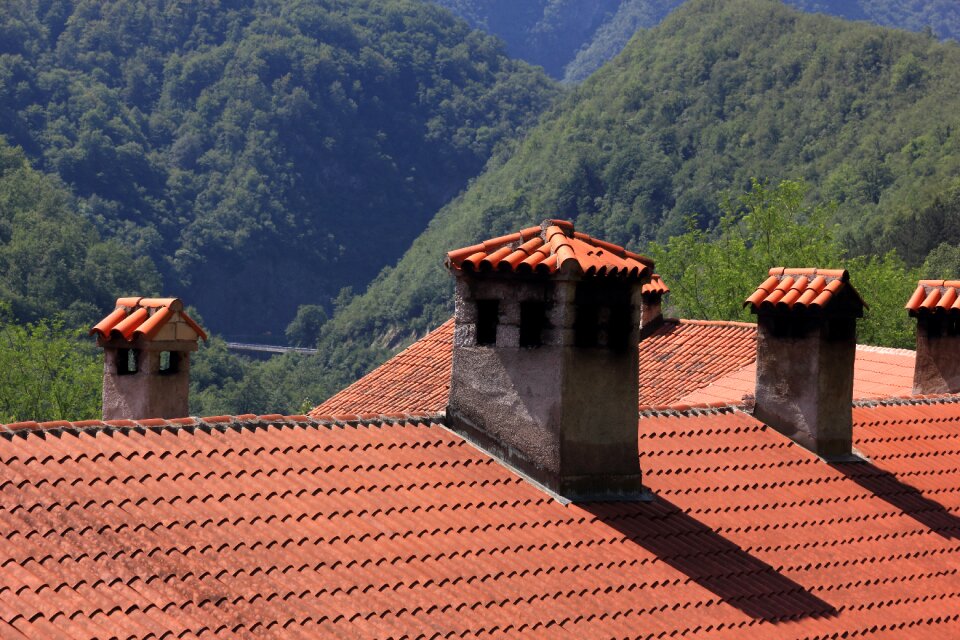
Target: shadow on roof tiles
(904,497)
(738,578)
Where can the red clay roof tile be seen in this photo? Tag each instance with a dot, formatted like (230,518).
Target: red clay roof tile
(392,528)
(656,286)
(145,318)
(682,361)
(800,288)
(935,296)
(548,248)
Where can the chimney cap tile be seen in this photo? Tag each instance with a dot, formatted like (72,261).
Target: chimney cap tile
(935,296)
(135,318)
(804,288)
(553,247)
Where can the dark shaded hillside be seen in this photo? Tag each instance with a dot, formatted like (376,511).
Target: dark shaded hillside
(264,153)
(572,38)
(722,91)
(53,263)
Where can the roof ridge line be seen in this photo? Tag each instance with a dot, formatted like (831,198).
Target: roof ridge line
(896,351)
(713,323)
(697,409)
(213,422)
(937,398)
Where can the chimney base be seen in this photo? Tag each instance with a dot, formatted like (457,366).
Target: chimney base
(565,488)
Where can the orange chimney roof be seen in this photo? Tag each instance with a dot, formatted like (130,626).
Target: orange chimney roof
(933,296)
(656,286)
(144,318)
(800,288)
(548,248)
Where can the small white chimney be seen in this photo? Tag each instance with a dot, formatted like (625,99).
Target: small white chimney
(146,367)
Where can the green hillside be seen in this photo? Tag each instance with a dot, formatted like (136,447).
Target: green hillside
(571,39)
(264,153)
(722,91)
(52,260)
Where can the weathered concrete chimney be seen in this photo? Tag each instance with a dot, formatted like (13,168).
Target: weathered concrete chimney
(806,346)
(545,367)
(146,369)
(651,315)
(936,306)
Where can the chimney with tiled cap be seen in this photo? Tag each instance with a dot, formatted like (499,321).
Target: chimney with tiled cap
(146,370)
(652,311)
(806,346)
(545,367)
(936,306)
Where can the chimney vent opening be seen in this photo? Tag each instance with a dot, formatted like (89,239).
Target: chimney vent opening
(127,361)
(169,363)
(533,321)
(488,317)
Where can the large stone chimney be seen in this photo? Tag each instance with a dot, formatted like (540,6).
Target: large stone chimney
(146,369)
(545,357)
(936,306)
(806,347)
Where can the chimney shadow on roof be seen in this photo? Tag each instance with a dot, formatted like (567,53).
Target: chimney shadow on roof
(736,577)
(903,496)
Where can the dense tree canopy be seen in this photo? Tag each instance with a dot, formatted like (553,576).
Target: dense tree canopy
(268,150)
(52,260)
(571,39)
(721,92)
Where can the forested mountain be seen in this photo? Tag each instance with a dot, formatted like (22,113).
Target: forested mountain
(52,260)
(573,38)
(722,91)
(264,153)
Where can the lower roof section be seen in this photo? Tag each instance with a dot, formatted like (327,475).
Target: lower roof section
(682,362)
(395,527)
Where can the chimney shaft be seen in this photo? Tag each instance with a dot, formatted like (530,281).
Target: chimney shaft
(545,360)
(936,306)
(651,316)
(146,366)
(806,348)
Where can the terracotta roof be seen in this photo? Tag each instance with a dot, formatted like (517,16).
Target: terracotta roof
(548,248)
(682,356)
(150,319)
(800,288)
(389,527)
(878,373)
(935,296)
(656,286)
(416,380)
(682,362)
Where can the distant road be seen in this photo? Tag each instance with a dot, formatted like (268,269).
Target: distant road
(267,348)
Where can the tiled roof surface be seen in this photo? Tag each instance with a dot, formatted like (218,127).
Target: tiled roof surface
(683,361)
(683,356)
(878,373)
(416,380)
(799,288)
(242,527)
(679,357)
(933,296)
(548,248)
(148,318)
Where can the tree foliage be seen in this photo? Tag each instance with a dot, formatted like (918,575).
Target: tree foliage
(710,274)
(259,149)
(719,93)
(47,372)
(52,260)
(571,39)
